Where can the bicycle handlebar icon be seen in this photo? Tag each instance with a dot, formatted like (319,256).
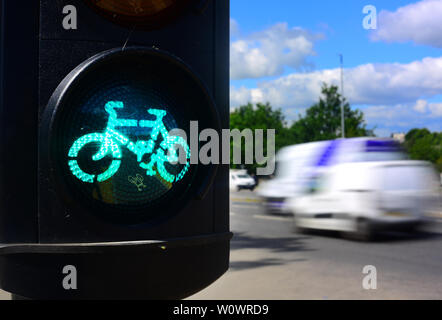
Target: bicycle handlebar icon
(111,142)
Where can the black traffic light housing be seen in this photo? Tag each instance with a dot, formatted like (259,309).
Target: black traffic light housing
(170,247)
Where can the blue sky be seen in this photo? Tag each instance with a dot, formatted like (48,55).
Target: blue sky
(281,51)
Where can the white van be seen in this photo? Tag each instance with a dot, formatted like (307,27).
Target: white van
(365,197)
(298,166)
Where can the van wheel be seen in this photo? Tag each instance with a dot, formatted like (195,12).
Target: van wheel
(413,228)
(364,230)
(298,229)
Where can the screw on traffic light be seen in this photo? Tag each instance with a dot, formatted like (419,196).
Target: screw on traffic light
(92,173)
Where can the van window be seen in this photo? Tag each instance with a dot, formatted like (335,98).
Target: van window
(408,178)
(382,150)
(381,156)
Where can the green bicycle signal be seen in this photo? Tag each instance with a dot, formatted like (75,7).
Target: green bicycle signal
(111,142)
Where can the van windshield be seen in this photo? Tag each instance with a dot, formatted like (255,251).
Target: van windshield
(382,150)
(408,178)
(381,156)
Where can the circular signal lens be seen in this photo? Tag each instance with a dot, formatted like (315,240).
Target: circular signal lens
(143,13)
(113,137)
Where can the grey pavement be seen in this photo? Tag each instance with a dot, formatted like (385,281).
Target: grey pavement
(270,261)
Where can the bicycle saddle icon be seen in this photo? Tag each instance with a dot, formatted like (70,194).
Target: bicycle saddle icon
(111,142)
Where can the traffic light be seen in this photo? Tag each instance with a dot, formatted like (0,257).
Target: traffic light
(99,197)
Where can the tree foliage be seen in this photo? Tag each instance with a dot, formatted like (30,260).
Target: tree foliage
(422,144)
(261,116)
(322,121)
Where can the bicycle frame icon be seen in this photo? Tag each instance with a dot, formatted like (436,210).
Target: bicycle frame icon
(111,142)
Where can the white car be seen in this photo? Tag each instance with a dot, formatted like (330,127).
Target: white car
(362,198)
(240,180)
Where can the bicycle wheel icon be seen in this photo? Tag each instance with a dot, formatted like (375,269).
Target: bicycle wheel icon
(103,141)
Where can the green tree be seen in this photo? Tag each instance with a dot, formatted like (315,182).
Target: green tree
(261,116)
(439,164)
(422,144)
(322,121)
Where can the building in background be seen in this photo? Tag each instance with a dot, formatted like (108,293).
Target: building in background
(399,137)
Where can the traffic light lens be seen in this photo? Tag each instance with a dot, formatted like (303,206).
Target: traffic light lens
(144,13)
(118,143)
(120,134)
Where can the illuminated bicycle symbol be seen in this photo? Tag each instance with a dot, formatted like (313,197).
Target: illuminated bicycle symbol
(111,142)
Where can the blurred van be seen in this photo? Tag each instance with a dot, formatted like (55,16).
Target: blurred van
(292,165)
(296,167)
(362,198)
(239,180)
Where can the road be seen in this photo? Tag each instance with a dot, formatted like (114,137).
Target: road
(270,261)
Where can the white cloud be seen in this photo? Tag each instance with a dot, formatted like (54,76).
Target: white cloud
(369,84)
(418,22)
(392,115)
(234,27)
(421,106)
(433,109)
(269,52)
(412,115)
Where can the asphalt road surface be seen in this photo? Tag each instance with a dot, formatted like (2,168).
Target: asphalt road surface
(270,261)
